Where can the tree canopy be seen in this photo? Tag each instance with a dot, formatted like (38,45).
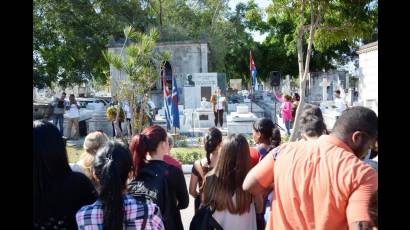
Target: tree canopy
(69,36)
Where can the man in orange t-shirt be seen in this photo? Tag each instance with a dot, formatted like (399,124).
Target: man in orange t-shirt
(321,184)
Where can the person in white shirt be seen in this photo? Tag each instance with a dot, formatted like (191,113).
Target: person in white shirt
(73,115)
(128,112)
(218,104)
(340,103)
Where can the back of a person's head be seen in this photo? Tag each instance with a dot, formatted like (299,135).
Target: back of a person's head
(311,121)
(355,119)
(211,141)
(276,137)
(112,165)
(170,141)
(373,209)
(50,163)
(93,141)
(231,169)
(296,97)
(265,127)
(147,141)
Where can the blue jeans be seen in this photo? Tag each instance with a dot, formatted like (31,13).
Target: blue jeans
(59,118)
(287,125)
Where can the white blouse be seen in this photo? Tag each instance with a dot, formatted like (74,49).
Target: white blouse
(228,221)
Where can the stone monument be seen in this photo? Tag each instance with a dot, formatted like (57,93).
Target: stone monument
(204,114)
(241,121)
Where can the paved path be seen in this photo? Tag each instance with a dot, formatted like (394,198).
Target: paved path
(188,213)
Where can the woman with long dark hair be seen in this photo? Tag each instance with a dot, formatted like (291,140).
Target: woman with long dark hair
(58,192)
(115,209)
(212,142)
(266,136)
(148,150)
(234,208)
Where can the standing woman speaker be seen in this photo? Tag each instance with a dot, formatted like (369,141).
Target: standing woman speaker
(218,104)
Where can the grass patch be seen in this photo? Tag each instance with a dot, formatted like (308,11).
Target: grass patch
(187,155)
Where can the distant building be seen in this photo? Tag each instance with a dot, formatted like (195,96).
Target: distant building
(187,57)
(368,76)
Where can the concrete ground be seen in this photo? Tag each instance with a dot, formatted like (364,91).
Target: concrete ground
(188,213)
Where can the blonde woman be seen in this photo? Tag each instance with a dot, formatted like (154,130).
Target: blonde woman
(93,141)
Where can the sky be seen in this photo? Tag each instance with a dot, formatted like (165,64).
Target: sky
(262,4)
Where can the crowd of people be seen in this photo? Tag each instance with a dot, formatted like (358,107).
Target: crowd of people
(322,181)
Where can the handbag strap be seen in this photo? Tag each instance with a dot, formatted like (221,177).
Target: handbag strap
(144,222)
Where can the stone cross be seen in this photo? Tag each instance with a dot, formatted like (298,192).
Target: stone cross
(324,85)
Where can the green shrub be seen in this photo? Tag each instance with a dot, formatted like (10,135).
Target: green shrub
(188,155)
(284,138)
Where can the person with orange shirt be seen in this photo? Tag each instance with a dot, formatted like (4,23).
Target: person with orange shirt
(321,184)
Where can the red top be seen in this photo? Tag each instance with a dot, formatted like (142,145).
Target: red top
(254,154)
(172,161)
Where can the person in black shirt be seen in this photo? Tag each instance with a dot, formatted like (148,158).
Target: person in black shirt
(148,150)
(58,193)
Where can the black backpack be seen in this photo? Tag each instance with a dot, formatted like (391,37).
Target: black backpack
(203,220)
(152,186)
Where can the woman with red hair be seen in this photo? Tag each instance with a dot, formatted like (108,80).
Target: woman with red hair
(156,180)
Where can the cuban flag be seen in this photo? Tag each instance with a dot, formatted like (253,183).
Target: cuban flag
(174,103)
(252,68)
(167,100)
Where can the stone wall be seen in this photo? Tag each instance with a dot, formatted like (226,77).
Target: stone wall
(187,57)
(368,77)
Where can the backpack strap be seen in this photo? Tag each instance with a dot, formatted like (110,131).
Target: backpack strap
(144,222)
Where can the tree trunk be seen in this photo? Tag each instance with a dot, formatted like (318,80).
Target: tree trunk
(296,124)
(134,112)
(160,15)
(141,114)
(303,78)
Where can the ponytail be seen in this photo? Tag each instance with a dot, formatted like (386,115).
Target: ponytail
(212,139)
(139,152)
(112,165)
(146,142)
(111,197)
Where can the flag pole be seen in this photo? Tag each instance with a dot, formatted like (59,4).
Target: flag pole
(251,56)
(251,91)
